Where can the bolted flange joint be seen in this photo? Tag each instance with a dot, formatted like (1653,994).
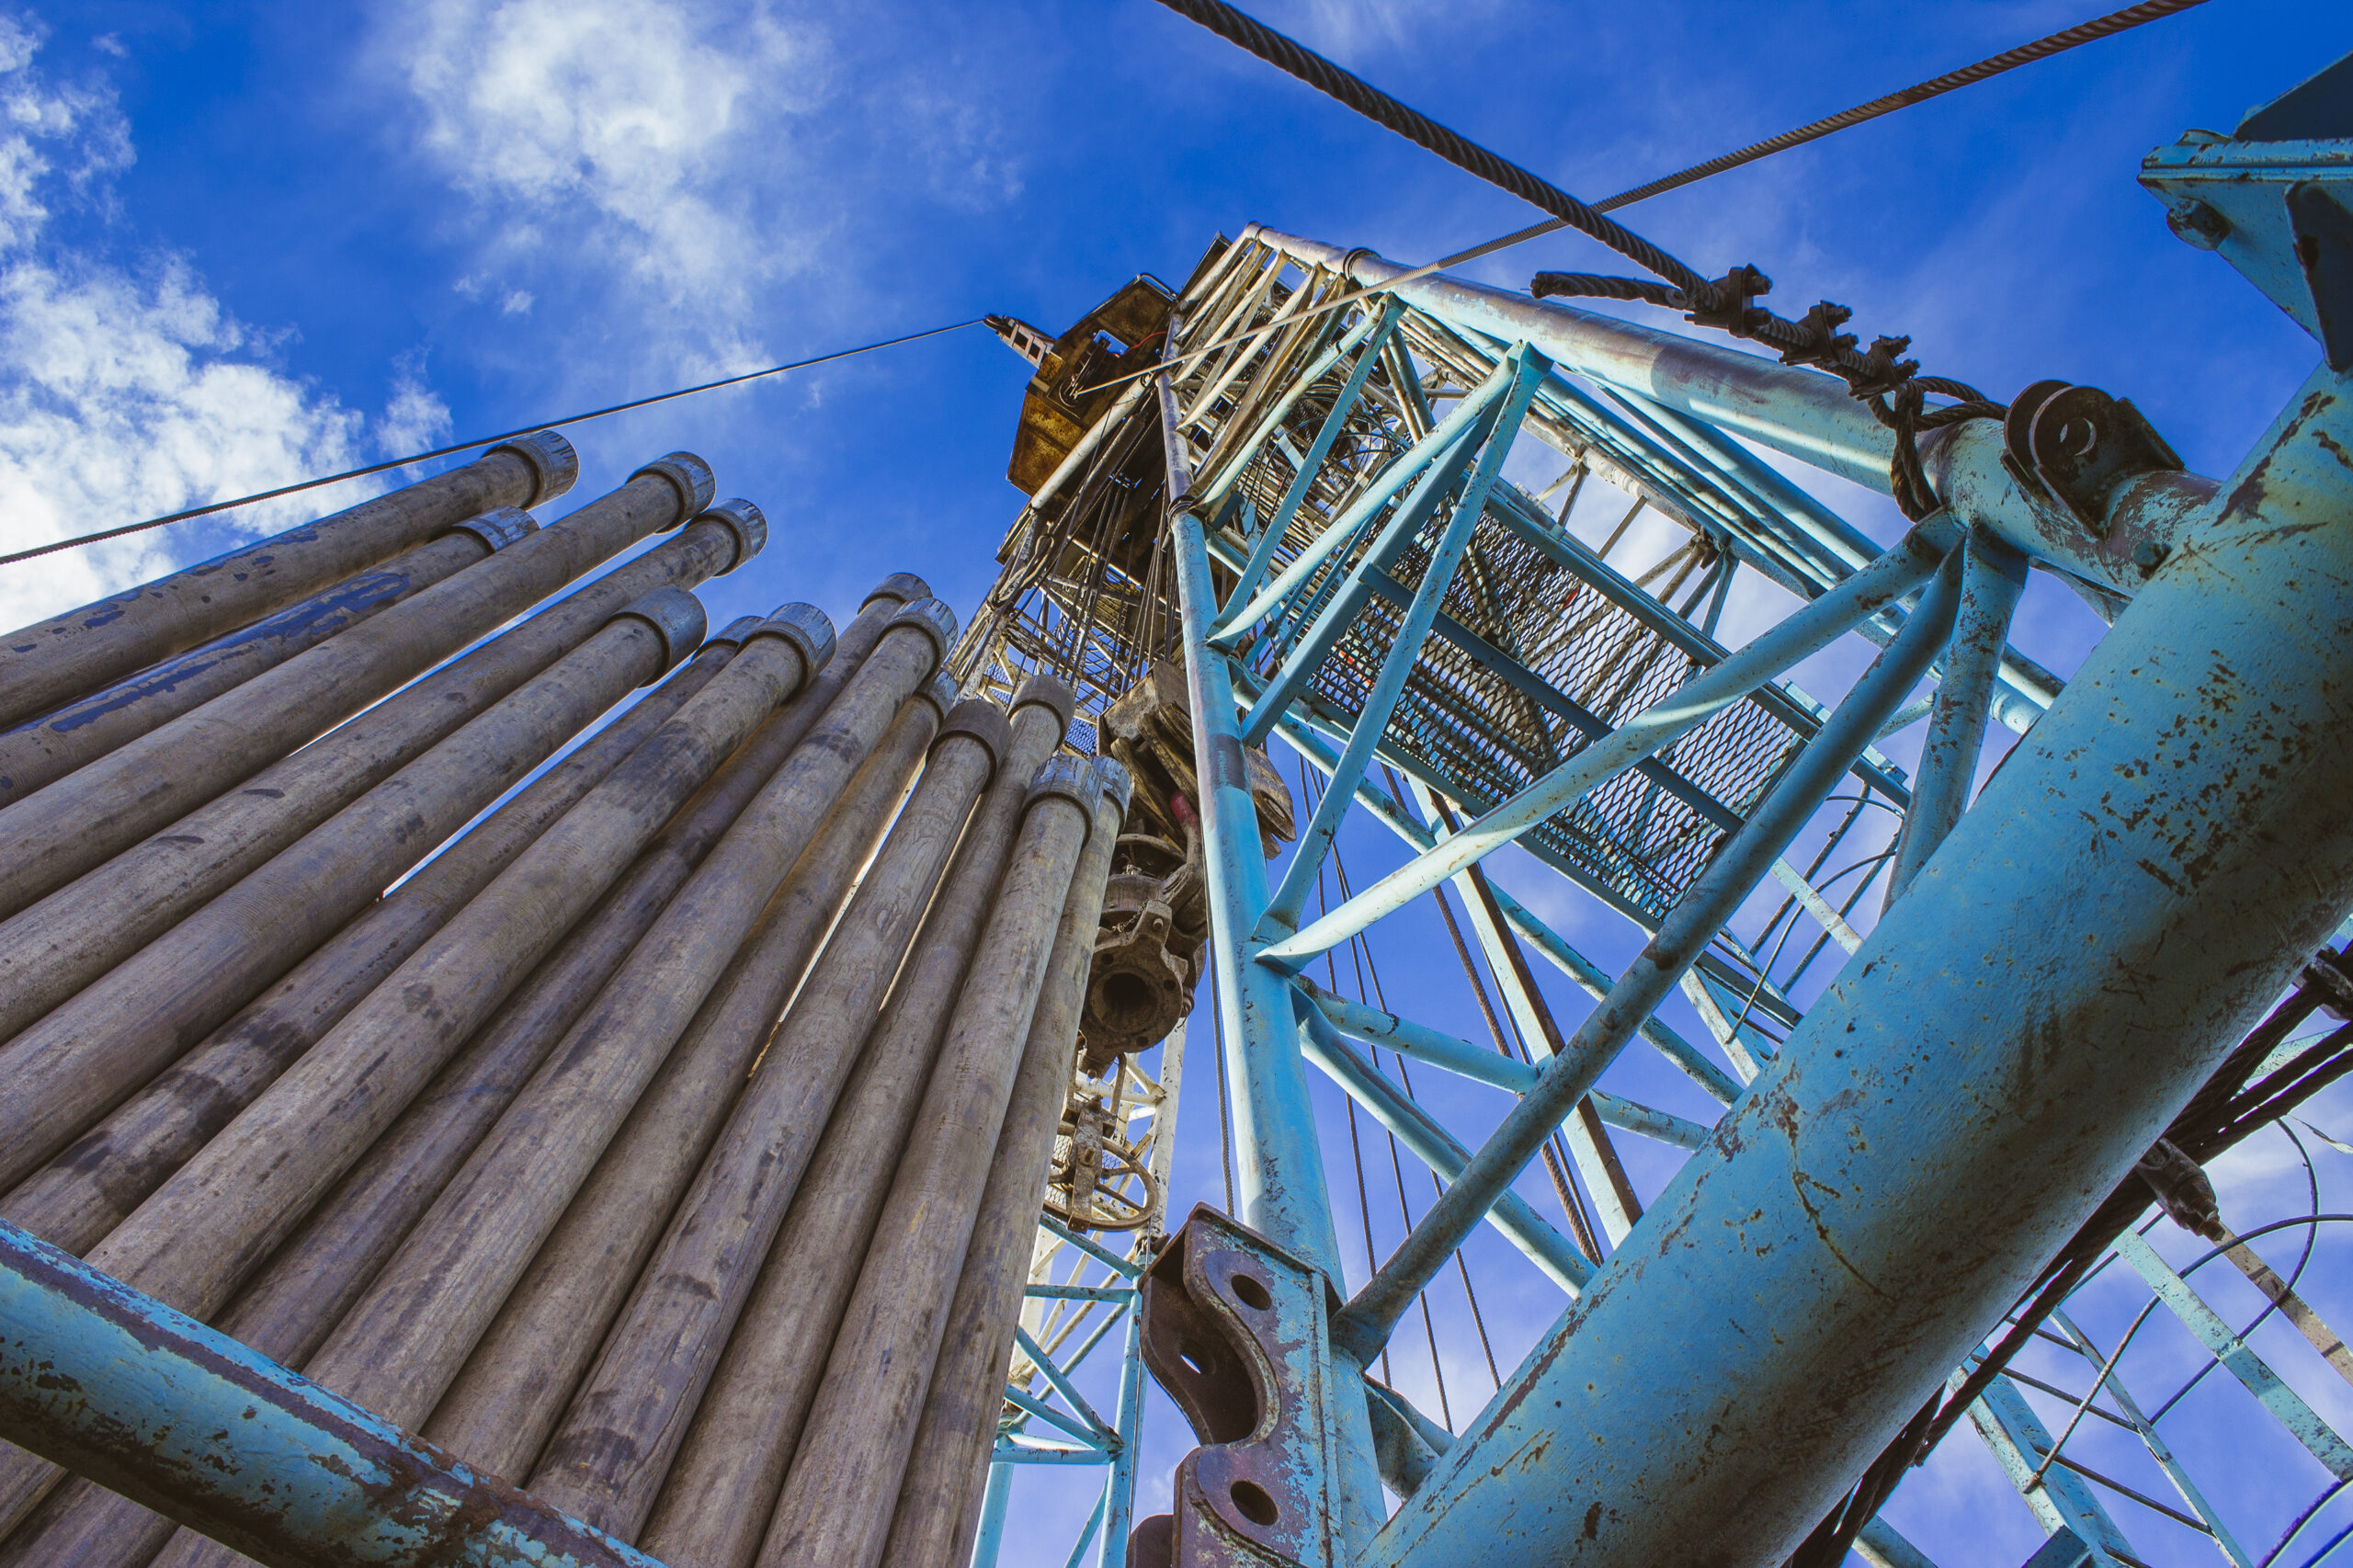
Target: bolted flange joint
(688,475)
(984,721)
(676,614)
(902,587)
(499,527)
(934,620)
(1045,690)
(807,629)
(554,463)
(745,521)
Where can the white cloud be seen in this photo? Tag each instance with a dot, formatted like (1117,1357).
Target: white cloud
(129,392)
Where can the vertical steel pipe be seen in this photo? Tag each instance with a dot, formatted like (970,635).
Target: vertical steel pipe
(714,1503)
(1992,579)
(940,1495)
(2134,888)
(57,660)
(507,1400)
(101,1177)
(399,1349)
(48,839)
(609,1454)
(835,1509)
(77,933)
(164,997)
(182,1418)
(39,750)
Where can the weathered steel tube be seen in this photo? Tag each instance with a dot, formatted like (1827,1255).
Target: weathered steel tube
(320,1269)
(835,1509)
(939,1494)
(77,933)
(167,995)
(207,1226)
(713,1505)
(2141,880)
(610,1451)
(48,747)
(99,1178)
(184,1418)
(48,838)
(60,659)
(401,1345)
(515,1384)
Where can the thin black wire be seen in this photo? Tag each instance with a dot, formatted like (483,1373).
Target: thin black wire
(1224,1100)
(478,441)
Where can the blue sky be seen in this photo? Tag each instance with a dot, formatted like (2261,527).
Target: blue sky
(240,243)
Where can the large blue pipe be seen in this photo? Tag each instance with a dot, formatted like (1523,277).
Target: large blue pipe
(2138,883)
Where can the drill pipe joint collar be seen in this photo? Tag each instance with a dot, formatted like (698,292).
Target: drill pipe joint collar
(806,628)
(554,465)
(899,588)
(736,633)
(934,620)
(689,475)
(676,614)
(983,721)
(1072,778)
(1114,782)
(745,521)
(1046,689)
(499,527)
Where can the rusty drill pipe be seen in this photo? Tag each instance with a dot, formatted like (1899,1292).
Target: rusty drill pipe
(399,1349)
(78,932)
(940,1495)
(835,1509)
(95,1184)
(609,1455)
(52,837)
(515,1384)
(57,742)
(292,1306)
(165,996)
(82,1522)
(218,1216)
(55,660)
(713,1505)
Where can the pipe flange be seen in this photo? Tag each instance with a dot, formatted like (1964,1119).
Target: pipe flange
(674,613)
(736,633)
(500,528)
(806,628)
(554,465)
(1045,690)
(898,587)
(940,691)
(688,475)
(745,521)
(1067,777)
(981,719)
(934,619)
(1114,782)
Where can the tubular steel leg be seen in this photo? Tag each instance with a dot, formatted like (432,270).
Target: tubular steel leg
(1119,1492)
(2146,873)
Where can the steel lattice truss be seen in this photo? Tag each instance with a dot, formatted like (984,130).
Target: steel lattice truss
(1538,665)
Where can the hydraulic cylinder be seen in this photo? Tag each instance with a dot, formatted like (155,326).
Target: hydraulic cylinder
(835,1507)
(57,660)
(713,1505)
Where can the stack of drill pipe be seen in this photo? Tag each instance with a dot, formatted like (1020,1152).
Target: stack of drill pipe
(835,1508)
(56,835)
(939,1496)
(90,1188)
(608,1457)
(506,1400)
(55,660)
(61,1071)
(66,738)
(397,1350)
(207,1226)
(714,1503)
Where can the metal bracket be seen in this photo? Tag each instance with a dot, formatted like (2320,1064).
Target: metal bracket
(1235,1328)
(2078,445)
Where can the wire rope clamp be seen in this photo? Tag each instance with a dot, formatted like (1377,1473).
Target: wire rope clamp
(2077,446)
(677,617)
(1234,1329)
(807,628)
(499,527)
(745,521)
(554,463)
(934,620)
(689,475)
